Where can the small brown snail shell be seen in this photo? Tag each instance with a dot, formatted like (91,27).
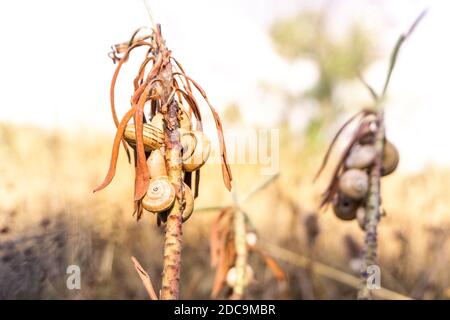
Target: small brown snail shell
(232,276)
(361,217)
(390,158)
(200,154)
(344,207)
(189,202)
(156,164)
(354,183)
(153,137)
(160,195)
(361,157)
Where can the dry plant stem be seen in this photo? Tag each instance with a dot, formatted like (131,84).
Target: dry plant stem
(372,212)
(327,271)
(373,203)
(173,237)
(241,254)
(145,279)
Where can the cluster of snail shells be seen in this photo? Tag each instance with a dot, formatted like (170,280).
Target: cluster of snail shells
(353,184)
(161,193)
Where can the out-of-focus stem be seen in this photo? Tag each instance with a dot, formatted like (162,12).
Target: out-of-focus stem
(327,271)
(241,254)
(372,212)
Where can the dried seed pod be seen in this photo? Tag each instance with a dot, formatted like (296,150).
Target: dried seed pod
(232,276)
(160,195)
(345,207)
(200,154)
(189,202)
(156,164)
(361,217)
(390,158)
(153,137)
(361,157)
(354,183)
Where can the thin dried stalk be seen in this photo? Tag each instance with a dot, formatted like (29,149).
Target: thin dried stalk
(260,186)
(173,238)
(373,206)
(241,254)
(145,279)
(327,271)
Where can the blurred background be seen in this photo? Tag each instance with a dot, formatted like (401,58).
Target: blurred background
(285,65)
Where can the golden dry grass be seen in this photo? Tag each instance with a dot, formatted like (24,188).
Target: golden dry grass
(49,219)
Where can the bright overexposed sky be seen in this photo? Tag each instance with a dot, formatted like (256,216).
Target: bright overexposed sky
(54,69)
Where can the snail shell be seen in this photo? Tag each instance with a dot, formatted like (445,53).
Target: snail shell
(232,276)
(160,195)
(185,120)
(361,157)
(188,207)
(188,202)
(156,164)
(158,121)
(361,217)
(200,153)
(251,239)
(354,183)
(390,159)
(153,137)
(344,207)
(188,143)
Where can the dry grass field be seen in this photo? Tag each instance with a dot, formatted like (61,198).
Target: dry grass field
(49,219)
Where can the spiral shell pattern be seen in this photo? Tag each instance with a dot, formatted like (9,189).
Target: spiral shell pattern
(160,195)
(153,137)
(201,152)
(188,144)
